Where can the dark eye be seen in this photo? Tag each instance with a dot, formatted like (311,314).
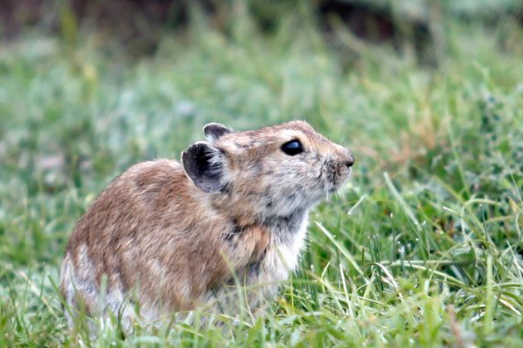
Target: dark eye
(292,147)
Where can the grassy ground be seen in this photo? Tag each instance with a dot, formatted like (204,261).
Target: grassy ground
(424,247)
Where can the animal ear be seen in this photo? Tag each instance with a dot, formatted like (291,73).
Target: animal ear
(204,164)
(213,131)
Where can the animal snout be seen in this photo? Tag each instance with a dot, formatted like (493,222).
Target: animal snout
(348,160)
(343,161)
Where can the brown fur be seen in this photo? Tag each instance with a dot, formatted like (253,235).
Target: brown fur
(153,230)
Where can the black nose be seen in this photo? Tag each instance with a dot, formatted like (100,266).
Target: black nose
(349,162)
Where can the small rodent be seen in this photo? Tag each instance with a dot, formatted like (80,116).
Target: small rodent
(173,236)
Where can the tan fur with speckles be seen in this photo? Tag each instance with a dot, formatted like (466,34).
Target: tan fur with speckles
(159,238)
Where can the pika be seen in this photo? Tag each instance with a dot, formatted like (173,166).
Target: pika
(167,237)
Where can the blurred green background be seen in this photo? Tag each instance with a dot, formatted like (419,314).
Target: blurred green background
(422,249)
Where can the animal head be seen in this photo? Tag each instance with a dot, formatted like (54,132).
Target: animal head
(273,171)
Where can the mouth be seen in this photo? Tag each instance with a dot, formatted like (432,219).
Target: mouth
(335,186)
(335,175)
(337,183)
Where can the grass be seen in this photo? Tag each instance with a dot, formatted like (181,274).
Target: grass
(422,249)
